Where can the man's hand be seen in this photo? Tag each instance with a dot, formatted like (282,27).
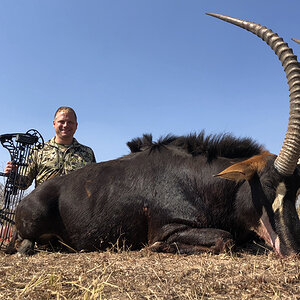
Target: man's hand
(9,168)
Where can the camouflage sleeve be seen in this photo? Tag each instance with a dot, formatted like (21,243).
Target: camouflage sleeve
(88,155)
(94,158)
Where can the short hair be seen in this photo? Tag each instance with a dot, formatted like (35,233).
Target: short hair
(65,109)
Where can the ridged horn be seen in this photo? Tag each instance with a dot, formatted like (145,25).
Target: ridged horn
(296,40)
(286,161)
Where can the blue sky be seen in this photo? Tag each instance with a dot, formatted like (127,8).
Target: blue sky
(130,67)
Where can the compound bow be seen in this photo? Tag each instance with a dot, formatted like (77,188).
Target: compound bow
(19,146)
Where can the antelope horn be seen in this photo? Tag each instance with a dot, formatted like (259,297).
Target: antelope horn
(286,161)
(296,40)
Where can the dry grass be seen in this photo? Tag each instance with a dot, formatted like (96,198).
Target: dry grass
(146,275)
(256,274)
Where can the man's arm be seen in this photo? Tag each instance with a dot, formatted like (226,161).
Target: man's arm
(94,158)
(24,174)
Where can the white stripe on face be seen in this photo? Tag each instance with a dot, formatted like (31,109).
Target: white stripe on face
(280,193)
(278,208)
(265,231)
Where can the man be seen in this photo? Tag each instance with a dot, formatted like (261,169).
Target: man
(60,155)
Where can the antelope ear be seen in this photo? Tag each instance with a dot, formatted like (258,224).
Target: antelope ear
(245,170)
(237,172)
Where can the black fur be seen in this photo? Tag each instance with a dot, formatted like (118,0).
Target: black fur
(211,146)
(162,194)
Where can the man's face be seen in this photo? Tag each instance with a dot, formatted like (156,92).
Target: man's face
(65,126)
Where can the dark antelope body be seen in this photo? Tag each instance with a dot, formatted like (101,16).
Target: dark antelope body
(165,194)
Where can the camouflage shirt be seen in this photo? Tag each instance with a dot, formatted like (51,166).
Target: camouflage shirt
(55,159)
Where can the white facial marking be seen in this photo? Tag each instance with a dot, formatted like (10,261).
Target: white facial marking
(270,234)
(278,207)
(280,193)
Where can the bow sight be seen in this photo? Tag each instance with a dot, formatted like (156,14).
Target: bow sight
(20,147)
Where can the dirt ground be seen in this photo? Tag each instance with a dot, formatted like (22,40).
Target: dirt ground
(146,275)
